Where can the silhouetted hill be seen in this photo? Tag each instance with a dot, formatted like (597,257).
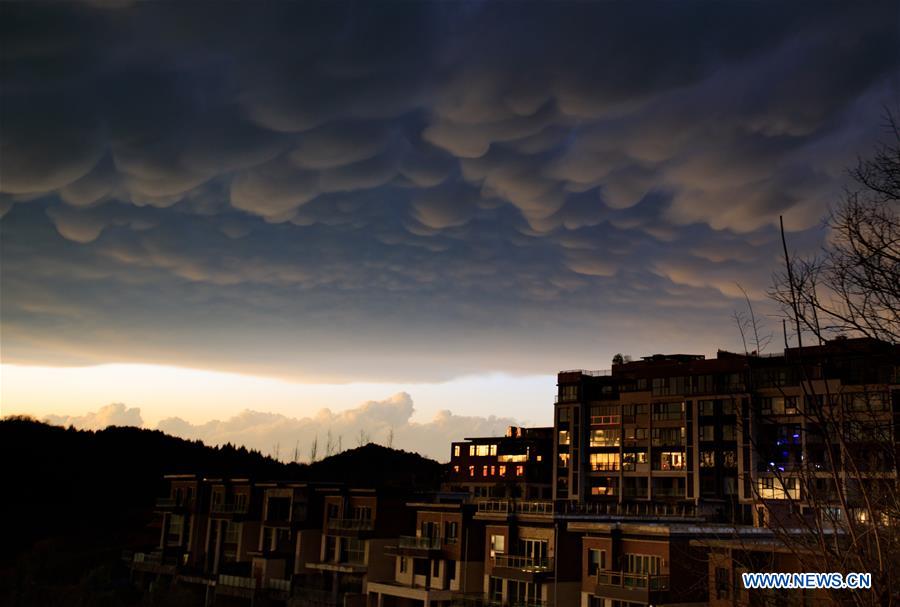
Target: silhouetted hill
(73,499)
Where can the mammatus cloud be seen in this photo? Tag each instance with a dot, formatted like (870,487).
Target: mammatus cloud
(115,414)
(387,421)
(515,188)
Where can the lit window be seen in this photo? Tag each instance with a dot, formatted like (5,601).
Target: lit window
(564,437)
(520,470)
(502,470)
(471,449)
(455,450)
(471,470)
(456,469)
(484,470)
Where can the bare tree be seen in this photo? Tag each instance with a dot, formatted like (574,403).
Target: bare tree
(329,444)
(314,449)
(853,285)
(296,458)
(831,493)
(390,438)
(362,438)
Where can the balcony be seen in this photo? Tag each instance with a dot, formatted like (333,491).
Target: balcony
(351,525)
(170,503)
(521,507)
(229,508)
(236,585)
(409,545)
(424,543)
(522,568)
(636,587)
(628,509)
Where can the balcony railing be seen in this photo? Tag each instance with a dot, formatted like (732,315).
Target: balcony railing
(229,508)
(648,509)
(632,580)
(351,524)
(516,506)
(525,563)
(591,373)
(278,584)
(423,543)
(237,581)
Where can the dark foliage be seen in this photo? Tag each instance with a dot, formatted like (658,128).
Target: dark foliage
(74,499)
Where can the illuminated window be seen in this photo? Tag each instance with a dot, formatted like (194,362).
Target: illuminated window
(484,471)
(563,460)
(564,438)
(671,460)
(471,449)
(455,450)
(456,469)
(471,470)
(520,470)
(604,461)
(605,437)
(707,459)
(502,470)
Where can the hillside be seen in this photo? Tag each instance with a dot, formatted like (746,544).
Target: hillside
(78,497)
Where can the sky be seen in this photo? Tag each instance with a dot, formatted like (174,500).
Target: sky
(403,215)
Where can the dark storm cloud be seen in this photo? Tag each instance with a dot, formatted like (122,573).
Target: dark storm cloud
(415,190)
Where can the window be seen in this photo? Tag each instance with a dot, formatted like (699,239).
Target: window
(707,433)
(564,438)
(605,461)
(706,407)
(502,470)
(484,471)
(728,432)
(605,437)
(630,459)
(471,471)
(563,415)
(456,450)
(485,450)
(451,532)
(403,564)
(493,470)
(498,543)
(495,589)
(596,561)
(471,450)
(729,458)
(642,563)
(668,436)
(520,470)
(456,469)
(563,460)
(232,533)
(353,550)
(729,407)
(663,411)
(671,460)
(568,392)
(176,525)
(707,459)
(604,486)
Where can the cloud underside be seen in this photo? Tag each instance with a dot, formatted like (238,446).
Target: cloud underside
(413,191)
(387,422)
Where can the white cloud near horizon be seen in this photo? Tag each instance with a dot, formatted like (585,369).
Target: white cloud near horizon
(273,433)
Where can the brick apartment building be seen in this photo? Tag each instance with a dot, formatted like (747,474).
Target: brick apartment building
(658,484)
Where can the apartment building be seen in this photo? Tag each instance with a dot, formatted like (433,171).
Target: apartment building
(441,564)
(516,465)
(357,527)
(672,440)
